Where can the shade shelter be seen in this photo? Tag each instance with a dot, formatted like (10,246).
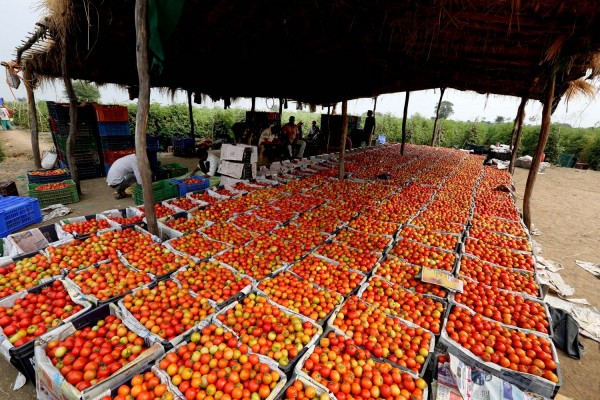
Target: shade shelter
(353,49)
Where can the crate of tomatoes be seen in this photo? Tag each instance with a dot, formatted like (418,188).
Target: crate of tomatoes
(525,359)
(149,383)
(21,323)
(336,355)
(220,354)
(191,184)
(68,368)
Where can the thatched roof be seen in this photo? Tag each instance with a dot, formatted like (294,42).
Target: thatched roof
(333,50)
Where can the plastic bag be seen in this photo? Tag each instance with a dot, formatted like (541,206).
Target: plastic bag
(49,159)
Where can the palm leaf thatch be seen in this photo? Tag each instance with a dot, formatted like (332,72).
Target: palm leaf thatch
(499,47)
(580,87)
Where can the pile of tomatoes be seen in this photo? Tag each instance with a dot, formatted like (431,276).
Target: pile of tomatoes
(384,336)
(92,354)
(269,330)
(36,313)
(145,386)
(509,348)
(349,372)
(53,186)
(214,365)
(87,226)
(212,280)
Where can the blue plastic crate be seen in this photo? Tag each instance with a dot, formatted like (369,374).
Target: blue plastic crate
(184,188)
(184,147)
(106,168)
(18,212)
(152,158)
(152,143)
(113,128)
(117,142)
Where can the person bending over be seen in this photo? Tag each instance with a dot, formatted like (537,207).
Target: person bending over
(208,163)
(123,173)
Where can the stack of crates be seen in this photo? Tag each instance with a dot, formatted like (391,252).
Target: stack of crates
(87,155)
(115,136)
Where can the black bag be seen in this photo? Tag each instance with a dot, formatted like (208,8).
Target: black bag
(566,332)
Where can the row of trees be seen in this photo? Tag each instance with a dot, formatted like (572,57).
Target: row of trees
(173,120)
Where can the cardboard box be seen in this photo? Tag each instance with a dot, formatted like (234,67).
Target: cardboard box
(227,180)
(239,152)
(238,170)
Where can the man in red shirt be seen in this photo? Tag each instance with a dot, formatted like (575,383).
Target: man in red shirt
(291,136)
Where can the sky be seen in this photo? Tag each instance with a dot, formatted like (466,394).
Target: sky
(468,106)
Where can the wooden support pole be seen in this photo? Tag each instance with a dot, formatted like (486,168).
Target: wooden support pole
(143,109)
(518,133)
(33,120)
(191,113)
(328,128)
(281,110)
(437,116)
(343,139)
(539,150)
(253,108)
(73,103)
(404,116)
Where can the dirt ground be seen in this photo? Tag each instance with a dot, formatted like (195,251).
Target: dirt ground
(565,208)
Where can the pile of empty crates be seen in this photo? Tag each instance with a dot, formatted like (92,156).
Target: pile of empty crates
(104,136)
(88,157)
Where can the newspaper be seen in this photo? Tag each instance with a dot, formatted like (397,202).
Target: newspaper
(592,268)
(466,383)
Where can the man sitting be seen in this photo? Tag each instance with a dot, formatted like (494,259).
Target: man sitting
(291,135)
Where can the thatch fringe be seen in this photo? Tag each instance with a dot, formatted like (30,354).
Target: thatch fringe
(594,66)
(580,87)
(554,50)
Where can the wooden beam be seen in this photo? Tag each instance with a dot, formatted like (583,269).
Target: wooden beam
(33,120)
(343,139)
(328,128)
(73,103)
(404,116)
(281,110)
(143,108)
(539,150)
(515,141)
(191,114)
(437,116)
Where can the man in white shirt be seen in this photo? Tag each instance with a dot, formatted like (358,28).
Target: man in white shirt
(208,163)
(123,173)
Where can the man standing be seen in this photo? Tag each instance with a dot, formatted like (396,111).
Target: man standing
(123,173)
(369,127)
(291,135)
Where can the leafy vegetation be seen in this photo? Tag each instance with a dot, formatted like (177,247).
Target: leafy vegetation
(446,109)
(171,121)
(85,92)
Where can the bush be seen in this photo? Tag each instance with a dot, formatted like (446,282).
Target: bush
(171,121)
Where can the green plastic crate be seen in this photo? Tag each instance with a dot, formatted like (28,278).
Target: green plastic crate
(176,170)
(66,195)
(163,190)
